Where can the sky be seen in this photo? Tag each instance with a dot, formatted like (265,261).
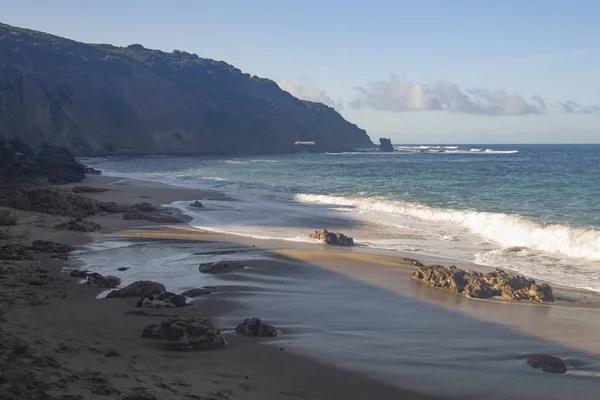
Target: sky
(427,71)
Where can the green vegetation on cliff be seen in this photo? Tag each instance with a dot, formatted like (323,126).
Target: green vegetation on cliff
(102,99)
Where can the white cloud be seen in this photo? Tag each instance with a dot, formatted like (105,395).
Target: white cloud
(304,89)
(570,107)
(397,94)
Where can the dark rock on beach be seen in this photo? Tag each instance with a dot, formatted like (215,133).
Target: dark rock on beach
(197,204)
(80,225)
(190,335)
(138,289)
(88,189)
(101,281)
(152,332)
(47,200)
(156,217)
(196,292)
(51,247)
(546,363)
(144,206)
(477,285)
(78,274)
(335,239)
(385,145)
(59,165)
(255,327)
(112,207)
(221,267)
(92,171)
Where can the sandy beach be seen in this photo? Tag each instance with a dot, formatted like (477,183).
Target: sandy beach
(352,323)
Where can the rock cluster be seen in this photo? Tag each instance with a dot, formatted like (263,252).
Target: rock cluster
(47,200)
(476,285)
(7,218)
(51,247)
(151,216)
(162,300)
(80,225)
(221,267)
(255,327)
(103,282)
(335,239)
(186,335)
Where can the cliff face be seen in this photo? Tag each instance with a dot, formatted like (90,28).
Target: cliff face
(101,99)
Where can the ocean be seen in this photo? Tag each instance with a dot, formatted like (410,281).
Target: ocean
(534,209)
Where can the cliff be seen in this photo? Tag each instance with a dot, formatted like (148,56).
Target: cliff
(102,99)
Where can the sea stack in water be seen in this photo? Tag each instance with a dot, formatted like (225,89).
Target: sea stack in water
(385,145)
(335,239)
(476,285)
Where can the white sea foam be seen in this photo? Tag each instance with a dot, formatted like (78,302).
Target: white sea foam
(504,229)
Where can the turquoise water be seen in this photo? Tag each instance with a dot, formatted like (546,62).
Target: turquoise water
(531,208)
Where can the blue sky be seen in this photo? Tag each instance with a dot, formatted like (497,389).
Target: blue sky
(453,71)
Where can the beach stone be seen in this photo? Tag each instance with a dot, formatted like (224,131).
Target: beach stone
(148,302)
(88,189)
(196,292)
(101,281)
(255,327)
(157,217)
(51,247)
(152,332)
(176,299)
(546,363)
(190,335)
(92,171)
(541,292)
(334,239)
(197,204)
(221,267)
(14,251)
(122,268)
(80,225)
(138,289)
(78,274)
(414,262)
(450,278)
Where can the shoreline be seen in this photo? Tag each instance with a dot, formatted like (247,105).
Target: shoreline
(105,326)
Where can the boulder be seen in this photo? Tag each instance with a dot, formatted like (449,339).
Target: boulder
(87,189)
(152,332)
(59,165)
(7,218)
(414,262)
(157,217)
(151,302)
(78,274)
(476,285)
(101,281)
(255,327)
(51,247)
(47,200)
(385,145)
(546,363)
(112,207)
(190,335)
(221,267)
(138,289)
(80,225)
(196,292)
(335,239)
(196,204)
(176,299)
(14,252)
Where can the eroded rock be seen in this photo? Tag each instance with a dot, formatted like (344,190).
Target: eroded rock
(101,281)
(138,289)
(190,335)
(546,363)
(255,327)
(221,267)
(78,274)
(197,204)
(7,218)
(334,239)
(14,252)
